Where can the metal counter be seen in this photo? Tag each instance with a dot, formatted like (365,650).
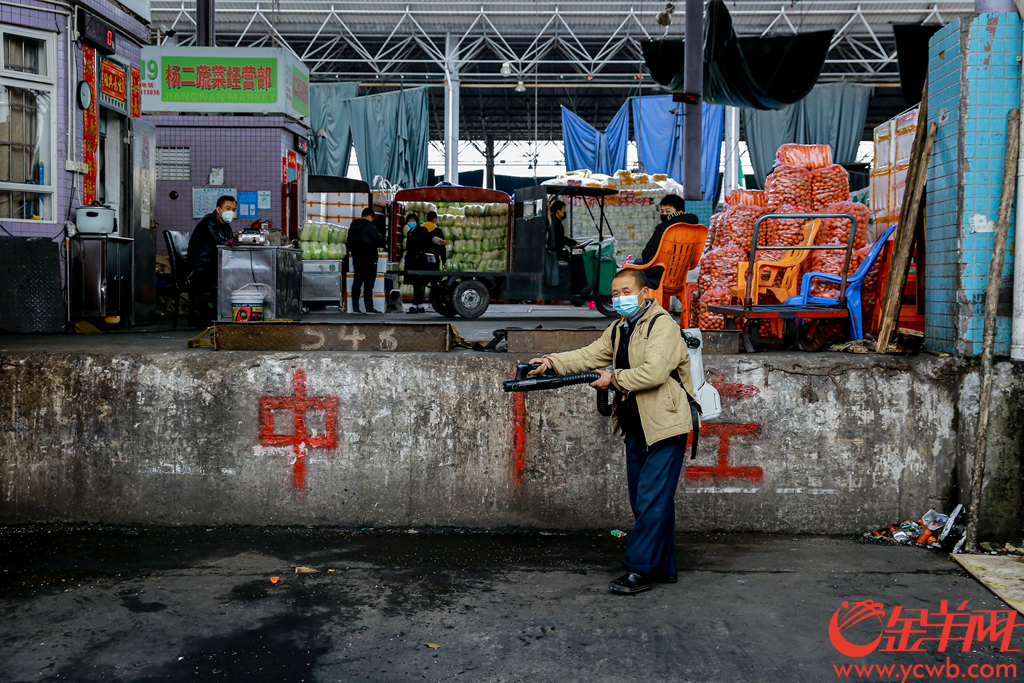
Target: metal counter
(280,268)
(322,281)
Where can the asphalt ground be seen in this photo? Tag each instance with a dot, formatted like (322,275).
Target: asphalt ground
(91,603)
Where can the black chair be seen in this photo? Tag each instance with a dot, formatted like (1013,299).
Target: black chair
(177,250)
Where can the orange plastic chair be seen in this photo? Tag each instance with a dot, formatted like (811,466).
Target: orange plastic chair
(781,278)
(678,253)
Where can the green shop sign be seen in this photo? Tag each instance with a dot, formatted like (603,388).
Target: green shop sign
(300,92)
(218,79)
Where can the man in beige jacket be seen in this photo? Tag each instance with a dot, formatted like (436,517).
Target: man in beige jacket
(651,377)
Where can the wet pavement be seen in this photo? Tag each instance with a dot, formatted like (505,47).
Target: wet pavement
(91,603)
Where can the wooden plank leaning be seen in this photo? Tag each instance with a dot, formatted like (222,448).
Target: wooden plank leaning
(995,276)
(904,237)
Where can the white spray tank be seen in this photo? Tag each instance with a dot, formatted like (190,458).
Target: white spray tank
(705,394)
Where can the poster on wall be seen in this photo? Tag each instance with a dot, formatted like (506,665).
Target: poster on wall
(224,80)
(204,199)
(247,205)
(263,200)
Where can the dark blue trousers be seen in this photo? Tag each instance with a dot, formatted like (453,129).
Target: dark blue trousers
(652,473)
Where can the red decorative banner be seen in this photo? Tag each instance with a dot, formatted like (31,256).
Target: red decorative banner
(91,129)
(136,93)
(113,81)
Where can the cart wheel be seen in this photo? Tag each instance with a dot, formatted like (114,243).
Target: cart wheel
(470,299)
(604,305)
(440,301)
(812,336)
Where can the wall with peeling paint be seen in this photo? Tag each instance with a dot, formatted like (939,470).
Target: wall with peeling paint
(806,443)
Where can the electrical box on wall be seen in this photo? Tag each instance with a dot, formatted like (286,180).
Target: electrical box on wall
(97,32)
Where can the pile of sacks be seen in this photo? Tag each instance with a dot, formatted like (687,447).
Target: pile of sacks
(804,180)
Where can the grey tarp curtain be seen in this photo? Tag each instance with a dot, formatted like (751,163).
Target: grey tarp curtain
(390,133)
(331,138)
(831,114)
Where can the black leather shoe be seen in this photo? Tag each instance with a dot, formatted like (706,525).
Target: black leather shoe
(633,582)
(665,578)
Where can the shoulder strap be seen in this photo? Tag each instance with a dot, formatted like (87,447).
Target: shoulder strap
(695,410)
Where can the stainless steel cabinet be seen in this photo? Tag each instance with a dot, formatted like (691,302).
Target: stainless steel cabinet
(280,268)
(101,279)
(322,281)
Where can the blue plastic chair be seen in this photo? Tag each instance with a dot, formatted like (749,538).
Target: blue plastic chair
(853,286)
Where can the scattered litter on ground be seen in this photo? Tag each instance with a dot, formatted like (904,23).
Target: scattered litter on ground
(618,534)
(432,646)
(275,579)
(933,530)
(306,570)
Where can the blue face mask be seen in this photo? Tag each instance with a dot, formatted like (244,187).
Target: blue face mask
(412,224)
(628,305)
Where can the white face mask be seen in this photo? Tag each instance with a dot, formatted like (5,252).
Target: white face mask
(228,216)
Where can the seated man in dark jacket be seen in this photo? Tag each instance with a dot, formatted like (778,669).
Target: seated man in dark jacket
(362,243)
(672,211)
(212,230)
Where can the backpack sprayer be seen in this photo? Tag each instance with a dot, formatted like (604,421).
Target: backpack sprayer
(549,380)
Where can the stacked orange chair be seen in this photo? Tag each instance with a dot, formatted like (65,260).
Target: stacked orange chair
(781,278)
(678,253)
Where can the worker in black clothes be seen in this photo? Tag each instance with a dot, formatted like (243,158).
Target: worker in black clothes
(362,243)
(673,210)
(577,270)
(425,249)
(213,230)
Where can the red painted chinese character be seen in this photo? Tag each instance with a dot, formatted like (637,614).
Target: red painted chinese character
(232,78)
(248,77)
(217,77)
(173,76)
(263,78)
(203,77)
(299,439)
(723,470)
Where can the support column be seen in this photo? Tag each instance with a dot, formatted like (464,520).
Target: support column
(206,24)
(489,182)
(693,84)
(451,111)
(732,149)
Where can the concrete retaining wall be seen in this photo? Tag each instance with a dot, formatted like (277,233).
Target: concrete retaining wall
(811,443)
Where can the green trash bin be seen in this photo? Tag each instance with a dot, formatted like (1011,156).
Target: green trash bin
(604,266)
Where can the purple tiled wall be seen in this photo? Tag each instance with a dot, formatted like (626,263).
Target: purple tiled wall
(47,17)
(248,148)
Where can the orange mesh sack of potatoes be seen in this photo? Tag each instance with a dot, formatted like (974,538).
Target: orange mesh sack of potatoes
(832,262)
(738,224)
(706,320)
(715,232)
(829,184)
(808,156)
(837,230)
(788,185)
(718,268)
(748,197)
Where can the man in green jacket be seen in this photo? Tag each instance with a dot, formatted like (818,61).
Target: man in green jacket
(651,377)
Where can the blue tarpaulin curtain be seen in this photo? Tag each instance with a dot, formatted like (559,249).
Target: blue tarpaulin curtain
(658,128)
(831,114)
(390,133)
(331,139)
(588,148)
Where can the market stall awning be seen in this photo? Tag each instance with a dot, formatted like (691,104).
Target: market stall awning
(758,73)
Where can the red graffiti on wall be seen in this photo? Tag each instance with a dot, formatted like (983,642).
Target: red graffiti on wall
(518,436)
(299,439)
(733,390)
(723,470)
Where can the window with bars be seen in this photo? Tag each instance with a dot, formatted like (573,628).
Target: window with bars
(27,124)
(173,163)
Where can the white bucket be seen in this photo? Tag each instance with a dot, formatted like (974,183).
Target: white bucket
(247,303)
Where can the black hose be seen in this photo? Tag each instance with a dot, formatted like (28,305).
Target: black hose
(603,407)
(551,382)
